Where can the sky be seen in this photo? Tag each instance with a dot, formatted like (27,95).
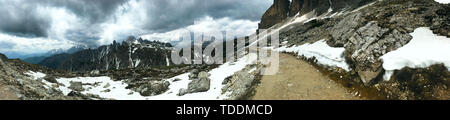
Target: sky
(38,26)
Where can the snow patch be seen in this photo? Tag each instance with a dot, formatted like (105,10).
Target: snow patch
(217,77)
(424,50)
(38,75)
(35,75)
(324,54)
(119,92)
(167,61)
(443,1)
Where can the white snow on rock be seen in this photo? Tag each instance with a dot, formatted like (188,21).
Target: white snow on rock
(119,92)
(38,75)
(424,50)
(217,77)
(35,75)
(324,54)
(443,1)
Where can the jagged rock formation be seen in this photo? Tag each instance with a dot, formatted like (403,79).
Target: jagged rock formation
(132,53)
(276,13)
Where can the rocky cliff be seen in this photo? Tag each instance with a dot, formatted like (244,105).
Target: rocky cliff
(275,14)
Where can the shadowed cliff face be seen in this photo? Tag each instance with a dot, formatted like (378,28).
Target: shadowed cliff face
(275,14)
(281,9)
(295,7)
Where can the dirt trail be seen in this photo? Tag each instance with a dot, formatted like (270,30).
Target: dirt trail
(298,80)
(6,94)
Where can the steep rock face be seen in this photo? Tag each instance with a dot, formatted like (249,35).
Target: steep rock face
(275,14)
(132,53)
(320,6)
(295,7)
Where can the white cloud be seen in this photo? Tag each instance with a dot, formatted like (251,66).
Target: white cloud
(61,21)
(32,45)
(67,26)
(124,22)
(207,25)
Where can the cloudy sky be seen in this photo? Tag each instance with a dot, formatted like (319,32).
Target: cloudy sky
(37,26)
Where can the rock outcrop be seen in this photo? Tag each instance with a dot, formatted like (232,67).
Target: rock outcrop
(242,84)
(13,79)
(153,88)
(200,83)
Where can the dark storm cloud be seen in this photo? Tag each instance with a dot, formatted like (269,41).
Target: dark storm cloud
(94,10)
(22,20)
(171,14)
(22,17)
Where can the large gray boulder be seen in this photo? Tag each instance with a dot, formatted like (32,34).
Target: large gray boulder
(201,84)
(76,86)
(369,43)
(153,88)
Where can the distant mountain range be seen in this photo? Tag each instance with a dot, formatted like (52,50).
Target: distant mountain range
(36,58)
(131,53)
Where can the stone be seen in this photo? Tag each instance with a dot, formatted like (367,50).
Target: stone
(76,86)
(107,90)
(153,88)
(107,85)
(201,84)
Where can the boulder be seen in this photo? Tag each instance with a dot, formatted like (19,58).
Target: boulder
(153,88)
(107,85)
(76,86)
(201,84)
(368,44)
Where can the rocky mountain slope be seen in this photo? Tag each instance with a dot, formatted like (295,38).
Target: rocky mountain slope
(367,31)
(15,83)
(132,53)
(282,9)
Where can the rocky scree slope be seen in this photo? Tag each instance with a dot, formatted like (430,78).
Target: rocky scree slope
(14,79)
(370,32)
